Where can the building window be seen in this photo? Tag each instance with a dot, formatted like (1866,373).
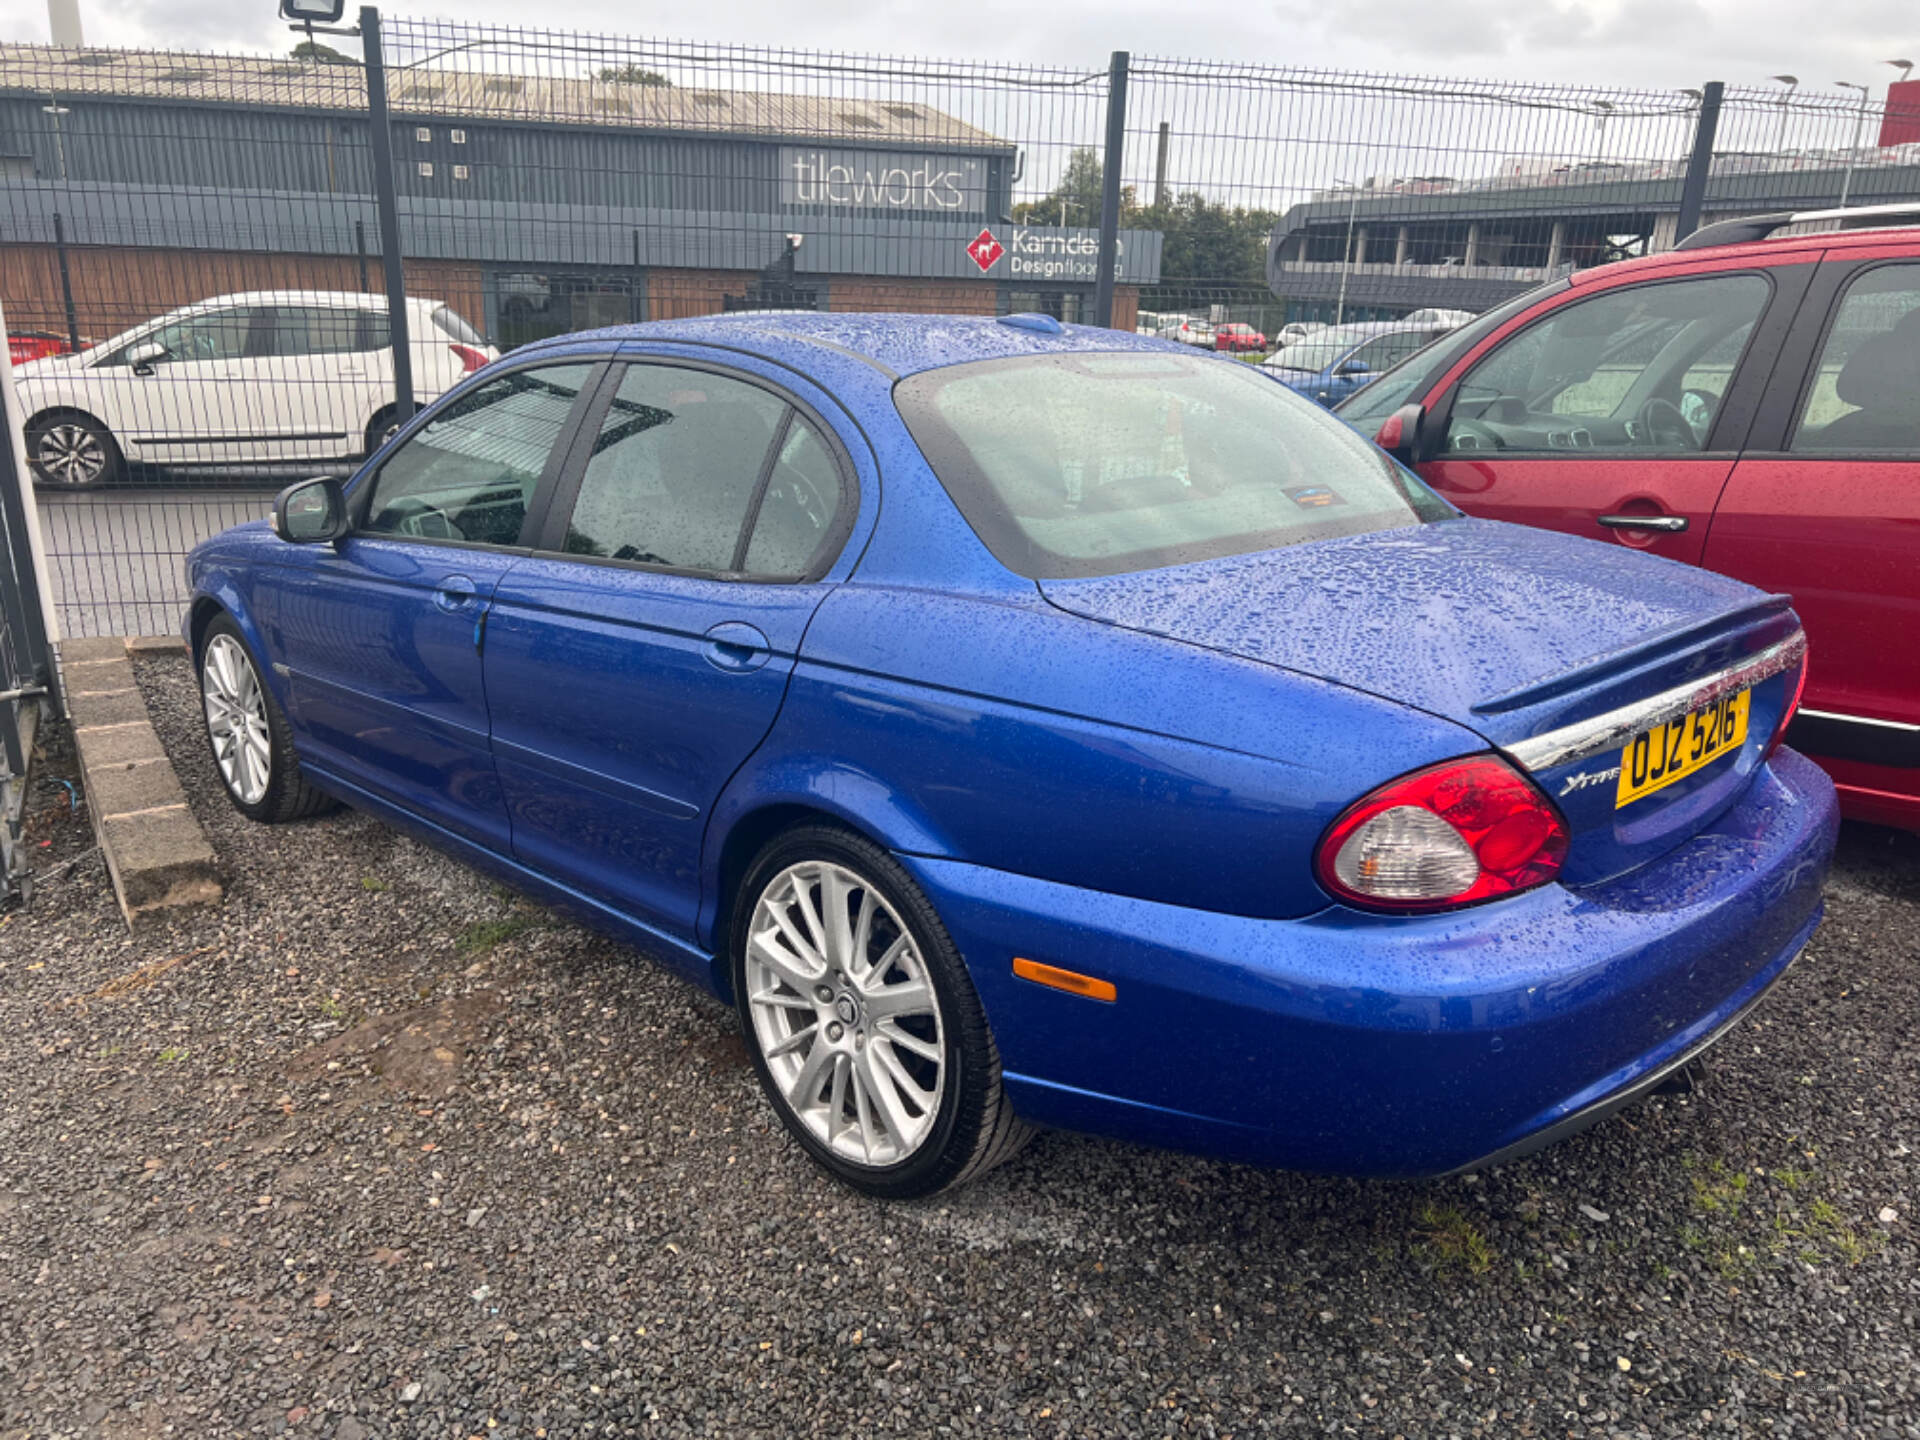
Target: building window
(458,137)
(460,172)
(423,134)
(426,169)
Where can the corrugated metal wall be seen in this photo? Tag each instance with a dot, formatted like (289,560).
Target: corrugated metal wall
(231,147)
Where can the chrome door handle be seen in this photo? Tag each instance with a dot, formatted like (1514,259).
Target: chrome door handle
(1668,524)
(736,647)
(455,593)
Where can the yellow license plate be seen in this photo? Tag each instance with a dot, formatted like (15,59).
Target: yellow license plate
(1679,748)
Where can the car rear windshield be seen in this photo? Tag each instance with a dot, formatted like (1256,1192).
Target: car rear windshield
(1103,463)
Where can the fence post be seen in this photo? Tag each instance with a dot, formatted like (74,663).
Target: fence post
(26,658)
(387,202)
(1110,190)
(1693,190)
(24,595)
(66,281)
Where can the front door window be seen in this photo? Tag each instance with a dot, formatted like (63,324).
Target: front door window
(470,472)
(1638,369)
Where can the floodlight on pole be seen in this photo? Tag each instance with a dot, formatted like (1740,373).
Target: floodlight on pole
(1853,147)
(1786,98)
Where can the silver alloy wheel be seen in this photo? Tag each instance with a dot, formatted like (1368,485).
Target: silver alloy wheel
(845,1013)
(70,454)
(236,719)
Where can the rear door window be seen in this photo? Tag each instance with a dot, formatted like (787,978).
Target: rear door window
(314,330)
(1865,396)
(675,470)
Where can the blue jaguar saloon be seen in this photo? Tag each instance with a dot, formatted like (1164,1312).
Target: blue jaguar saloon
(1027,725)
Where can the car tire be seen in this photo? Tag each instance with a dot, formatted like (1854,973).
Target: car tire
(248,734)
(70,450)
(382,428)
(899,1102)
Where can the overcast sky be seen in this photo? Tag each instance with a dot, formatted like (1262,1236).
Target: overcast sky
(1624,42)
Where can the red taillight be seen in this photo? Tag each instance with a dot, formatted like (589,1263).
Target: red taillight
(1452,834)
(1786,715)
(24,348)
(470,359)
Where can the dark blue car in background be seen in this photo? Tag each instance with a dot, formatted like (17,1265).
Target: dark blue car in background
(1331,364)
(1038,726)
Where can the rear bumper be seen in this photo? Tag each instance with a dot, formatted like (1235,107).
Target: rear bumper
(1391,1045)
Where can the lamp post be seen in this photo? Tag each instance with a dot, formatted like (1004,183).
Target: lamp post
(1602,112)
(1346,255)
(1786,97)
(1853,149)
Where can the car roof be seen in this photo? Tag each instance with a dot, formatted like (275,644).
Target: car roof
(346,299)
(901,344)
(1775,249)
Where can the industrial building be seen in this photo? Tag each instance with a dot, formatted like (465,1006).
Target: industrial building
(532,204)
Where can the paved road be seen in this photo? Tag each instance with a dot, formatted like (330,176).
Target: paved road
(116,555)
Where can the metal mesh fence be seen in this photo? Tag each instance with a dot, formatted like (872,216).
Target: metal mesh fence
(206,230)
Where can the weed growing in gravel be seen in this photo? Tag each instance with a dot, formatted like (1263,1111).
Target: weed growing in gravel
(1735,1241)
(171,1054)
(481,936)
(1451,1241)
(332,1008)
(1822,1234)
(374,884)
(1720,1191)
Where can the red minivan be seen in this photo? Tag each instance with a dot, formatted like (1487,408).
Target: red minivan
(1749,402)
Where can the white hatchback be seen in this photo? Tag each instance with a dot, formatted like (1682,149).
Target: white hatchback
(272,376)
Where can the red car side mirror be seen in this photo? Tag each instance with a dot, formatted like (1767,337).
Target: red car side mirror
(1399,433)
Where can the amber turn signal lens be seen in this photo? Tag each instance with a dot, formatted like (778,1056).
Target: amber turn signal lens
(1071,981)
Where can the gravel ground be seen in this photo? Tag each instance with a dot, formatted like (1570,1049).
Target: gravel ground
(376,1150)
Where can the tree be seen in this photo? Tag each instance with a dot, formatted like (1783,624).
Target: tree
(1076,199)
(1206,240)
(320,54)
(632,75)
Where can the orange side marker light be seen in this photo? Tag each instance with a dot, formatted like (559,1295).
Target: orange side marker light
(1071,981)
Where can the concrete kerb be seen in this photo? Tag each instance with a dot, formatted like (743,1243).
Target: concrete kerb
(156,851)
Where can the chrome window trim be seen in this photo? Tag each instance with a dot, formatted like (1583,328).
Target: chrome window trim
(1586,738)
(1857,719)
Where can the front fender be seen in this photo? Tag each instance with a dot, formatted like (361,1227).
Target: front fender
(217,585)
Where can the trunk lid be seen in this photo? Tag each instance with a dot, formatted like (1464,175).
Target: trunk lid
(1511,632)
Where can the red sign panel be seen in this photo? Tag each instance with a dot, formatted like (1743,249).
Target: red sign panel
(1900,121)
(985,249)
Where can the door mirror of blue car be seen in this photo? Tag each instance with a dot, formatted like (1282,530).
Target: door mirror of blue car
(310,511)
(1354,367)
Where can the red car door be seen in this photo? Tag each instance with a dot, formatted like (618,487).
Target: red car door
(1825,506)
(1615,412)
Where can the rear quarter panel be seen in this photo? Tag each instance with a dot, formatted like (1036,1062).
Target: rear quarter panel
(1008,734)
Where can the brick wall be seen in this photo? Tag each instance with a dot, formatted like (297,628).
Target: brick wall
(116,288)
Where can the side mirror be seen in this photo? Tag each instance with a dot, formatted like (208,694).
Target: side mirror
(308,512)
(1355,367)
(1399,433)
(144,357)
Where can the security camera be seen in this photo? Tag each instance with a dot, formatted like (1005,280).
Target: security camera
(793,241)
